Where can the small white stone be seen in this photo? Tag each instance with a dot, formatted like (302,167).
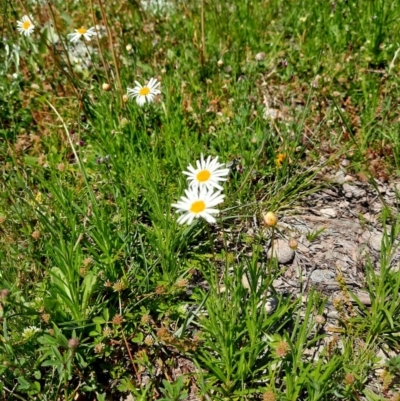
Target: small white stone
(329,211)
(270,304)
(376,241)
(282,251)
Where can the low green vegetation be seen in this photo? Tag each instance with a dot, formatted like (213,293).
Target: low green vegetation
(104,294)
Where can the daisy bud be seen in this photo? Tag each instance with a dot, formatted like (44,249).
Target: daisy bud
(293,244)
(125,98)
(106,86)
(220,63)
(128,48)
(270,219)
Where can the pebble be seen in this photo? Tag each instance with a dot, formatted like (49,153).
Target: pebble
(348,188)
(270,304)
(329,211)
(282,251)
(376,242)
(339,177)
(322,275)
(246,283)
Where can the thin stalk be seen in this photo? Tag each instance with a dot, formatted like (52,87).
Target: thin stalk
(130,355)
(111,43)
(213,256)
(203,41)
(70,73)
(225,248)
(98,44)
(272,252)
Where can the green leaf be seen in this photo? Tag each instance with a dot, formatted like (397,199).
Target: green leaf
(99,320)
(23,384)
(51,363)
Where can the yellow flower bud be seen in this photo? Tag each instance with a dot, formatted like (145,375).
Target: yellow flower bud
(270,219)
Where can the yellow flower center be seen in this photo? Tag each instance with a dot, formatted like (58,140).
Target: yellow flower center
(144,91)
(203,176)
(198,207)
(26,25)
(81,31)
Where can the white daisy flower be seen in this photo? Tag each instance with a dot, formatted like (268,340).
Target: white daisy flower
(86,33)
(145,93)
(198,202)
(26,26)
(207,174)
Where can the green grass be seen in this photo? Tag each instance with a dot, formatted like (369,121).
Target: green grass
(90,247)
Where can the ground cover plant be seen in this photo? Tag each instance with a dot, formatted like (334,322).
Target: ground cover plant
(154,159)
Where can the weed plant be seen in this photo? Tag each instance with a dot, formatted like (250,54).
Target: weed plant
(103,293)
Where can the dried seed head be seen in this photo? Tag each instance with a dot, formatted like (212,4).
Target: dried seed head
(73,343)
(107,331)
(99,348)
(87,262)
(60,166)
(164,335)
(349,379)
(149,341)
(270,219)
(2,219)
(320,319)
(45,317)
(125,98)
(4,293)
(160,289)
(117,319)
(282,349)
(182,283)
(269,395)
(119,286)
(145,319)
(36,235)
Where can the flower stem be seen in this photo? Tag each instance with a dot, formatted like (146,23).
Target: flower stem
(270,262)
(213,256)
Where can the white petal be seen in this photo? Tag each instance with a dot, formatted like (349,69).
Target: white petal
(140,100)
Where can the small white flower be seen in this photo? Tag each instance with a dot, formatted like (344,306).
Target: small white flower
(86,33)
(207,174)
(25,25)
(146,92)
(198,202)
(29,332)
